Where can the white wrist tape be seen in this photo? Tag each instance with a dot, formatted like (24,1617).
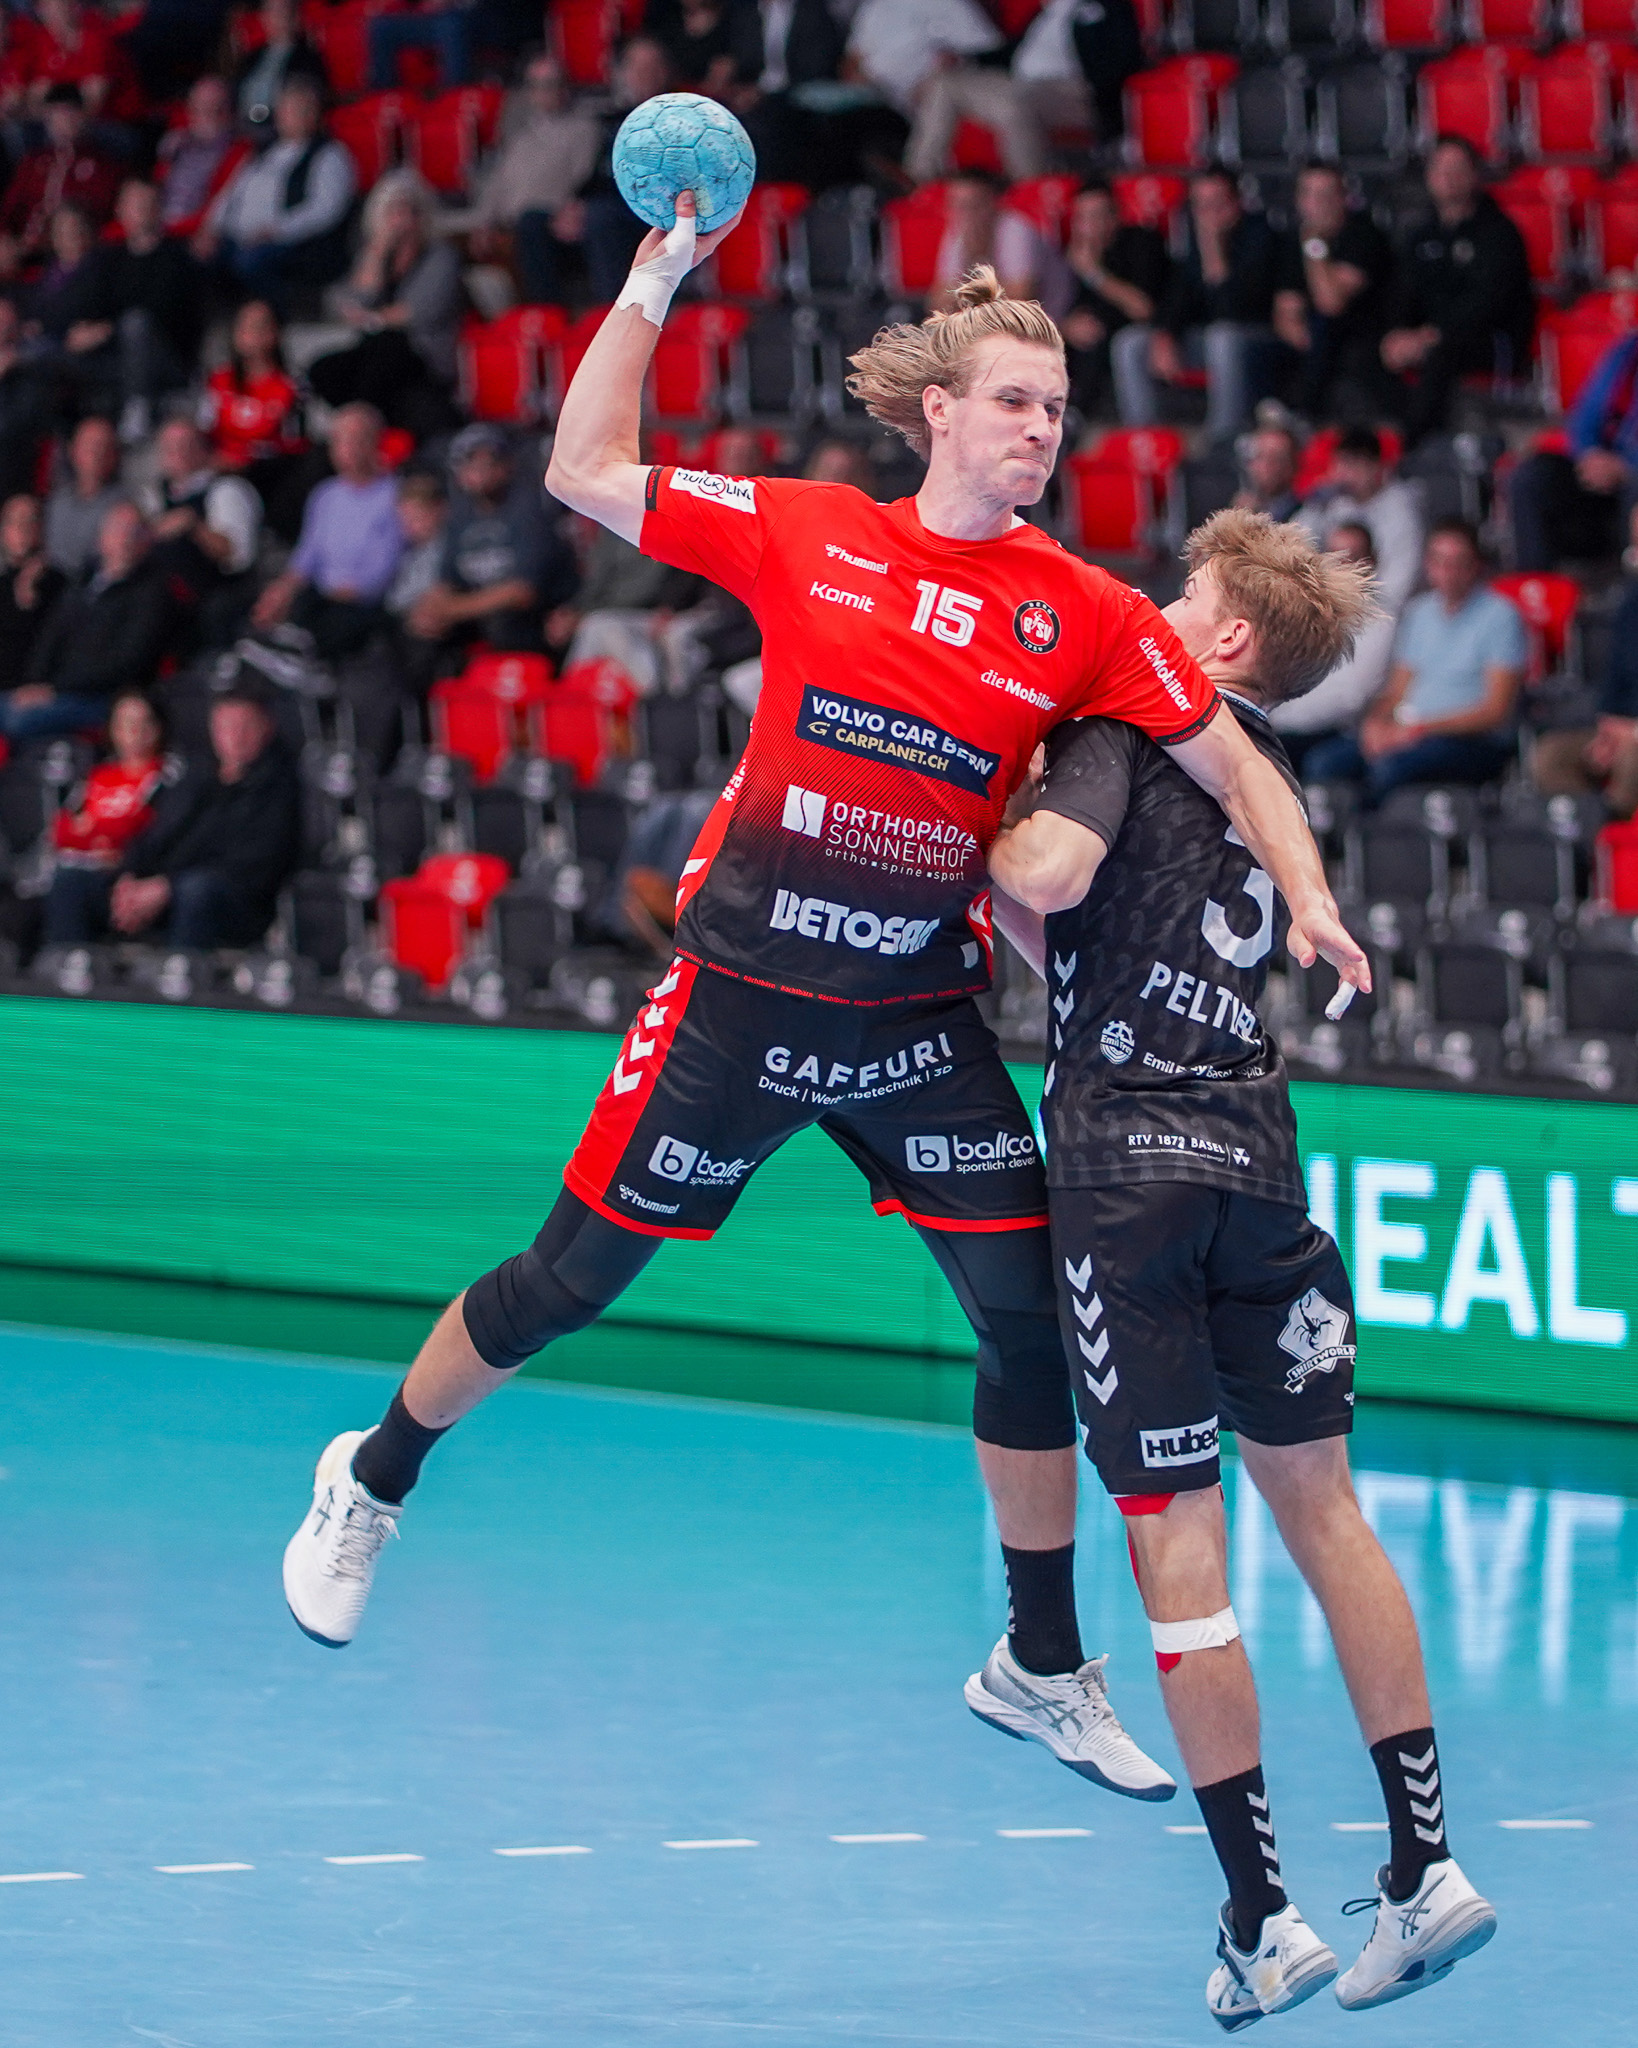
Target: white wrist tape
(1172,1638)
(651,284)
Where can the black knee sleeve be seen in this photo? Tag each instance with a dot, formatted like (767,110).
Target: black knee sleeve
(578,1264)
(1022,1399)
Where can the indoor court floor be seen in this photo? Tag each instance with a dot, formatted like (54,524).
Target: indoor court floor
(654,1733)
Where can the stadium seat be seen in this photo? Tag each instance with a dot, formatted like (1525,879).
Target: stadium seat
(532,931)
(575,722)
(1410,24)
(422,930)
(1389,862)
(342,34)
(1616,857)
(1469,1001)
(1120,490)
(471,881)
(1233,26)
(1466,94)
(475,724)
(1548,604)
(752,262)
(1595,990)
(323,919)
(1330,26)
(1171,111)
(585,32)
(1264,118)
(1611,215)
(446,135)
(1508,21)
(1148,199)
(515,679)
(1315,465)
(577,339)
(1568,102)
(781,357)
(696,360)
(1571,342)
(1510,864)
(1545,229)
(370,131)
(912,230)
(1046,204)
(506,364)
(1362,114)
(835,254)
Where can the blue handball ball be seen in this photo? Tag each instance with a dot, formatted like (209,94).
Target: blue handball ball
(679,142)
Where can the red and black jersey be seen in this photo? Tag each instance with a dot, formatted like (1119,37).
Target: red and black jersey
(906,680)
(115,805)
(250,421)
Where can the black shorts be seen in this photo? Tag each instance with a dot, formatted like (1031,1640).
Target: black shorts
(1186,1309)
(717,1073)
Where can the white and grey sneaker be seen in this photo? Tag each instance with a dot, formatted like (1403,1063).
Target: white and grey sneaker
(1416,1941)
(1072,1716)
(1289,1963)
(329,1564)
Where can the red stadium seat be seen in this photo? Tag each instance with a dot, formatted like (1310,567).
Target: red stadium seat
(422,930)
(1508,21)
(1410,24)
(692,364)
(976,148)
(1147,199)
(1548,604)
(912,230)
(1170,111)
(1572,341)
(1467,94)
(369,131)
(1014,16)
(342,34)
(447,134)
(585,32)
(749,265)
(1615,855)
(504,373)
(474,724)
(708,454)
(576,720)
(1315,465)
(1045,203)
(1546,231)
(1600,17)
(471,881)
(1612,224)
(577,339)
(515,679)
(1119,489)
(1569,103)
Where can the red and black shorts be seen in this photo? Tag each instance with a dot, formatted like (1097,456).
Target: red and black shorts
(716,1073)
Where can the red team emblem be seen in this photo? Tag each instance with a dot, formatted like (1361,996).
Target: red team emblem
(1035,626)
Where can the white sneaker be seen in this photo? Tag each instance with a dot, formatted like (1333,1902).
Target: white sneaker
(1418,1940)
(1289,1963)
(329,1564)
(1071,1714)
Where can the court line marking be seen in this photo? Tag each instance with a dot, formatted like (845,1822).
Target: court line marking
(1544,1824)
(719,1842)
(1190,1830)
(401,1856)
(44,1877)
(1040,1834)
(555,1849)
(1360,1827)
(878,1838)
(198,1869)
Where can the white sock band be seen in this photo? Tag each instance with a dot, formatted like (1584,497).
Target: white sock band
(1172,1638)
(650,285)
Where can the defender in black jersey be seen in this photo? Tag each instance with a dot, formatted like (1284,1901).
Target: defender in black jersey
(1195,1294)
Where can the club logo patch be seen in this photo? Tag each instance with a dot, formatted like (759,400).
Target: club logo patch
(1117,1042)
(1035,626)
(1313,1335)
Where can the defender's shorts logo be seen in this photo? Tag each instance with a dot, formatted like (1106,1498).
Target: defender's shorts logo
(1117,1043)
(1193,1444)
(1313,1335)
(1035,626)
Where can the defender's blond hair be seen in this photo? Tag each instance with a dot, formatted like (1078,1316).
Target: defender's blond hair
(1305,609)
(891,374)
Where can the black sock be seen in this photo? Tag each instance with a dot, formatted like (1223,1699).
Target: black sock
(1235,1811)
(1041,1625)
(388,1462)
(1408,1766)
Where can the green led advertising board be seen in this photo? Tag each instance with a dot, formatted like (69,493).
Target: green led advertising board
(1493,1240)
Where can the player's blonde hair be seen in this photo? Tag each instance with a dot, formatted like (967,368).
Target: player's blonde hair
(891,374)
(1305,609)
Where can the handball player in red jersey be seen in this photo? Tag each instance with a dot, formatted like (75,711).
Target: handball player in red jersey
(833,927)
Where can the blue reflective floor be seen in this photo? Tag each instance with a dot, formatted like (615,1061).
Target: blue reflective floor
(617,1625)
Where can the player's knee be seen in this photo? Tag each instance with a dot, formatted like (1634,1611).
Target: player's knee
(520,1308)
(1021,1398)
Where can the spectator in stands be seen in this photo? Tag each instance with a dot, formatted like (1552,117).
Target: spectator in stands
(206,528)
(840,462)
(285,54)
(1462,300)
(108,633)
(68,169)
(29,585)
(114,806)
(1446,712)
(1333,266)
(280,222)
(597,217)
(503,564)
(1074,60)
(64,318)
(405,300)
(423,512)
(979,229)
(1118,275)
(83,499)
(913,53)
(797,136)
(152,296)
(1216,315)
(443,27)
(643,892)
(1577,506)
(623,603)
(67,44)
(548,149)
(252,413)
(25,407)
(1603,757)
(350,545)
(194,162)
(713,46)
(1362,490)
(1332,709)
(1269,465)
(208,870)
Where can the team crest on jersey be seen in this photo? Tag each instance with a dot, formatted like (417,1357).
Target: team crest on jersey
(1035,626)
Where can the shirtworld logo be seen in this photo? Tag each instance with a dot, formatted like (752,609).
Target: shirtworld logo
(894,738)
(969,1155)
(737,492)
(1313,1336)
(1193,1444)
(811,917)
(671,1159)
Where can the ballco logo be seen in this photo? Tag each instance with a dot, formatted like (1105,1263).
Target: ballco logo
(968,1155)
(671,1159)
(811,917)
(1035,626)
(1117,1042)
(1193,1444)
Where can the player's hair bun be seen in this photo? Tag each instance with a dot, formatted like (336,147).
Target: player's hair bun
(980,287)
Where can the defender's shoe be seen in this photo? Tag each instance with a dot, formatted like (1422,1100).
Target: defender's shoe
(1416,1941)
(1289,1963)
(329,1564)
(1072,1716)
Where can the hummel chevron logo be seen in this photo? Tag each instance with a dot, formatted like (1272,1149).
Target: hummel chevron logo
(1088,1312)
(1079,1277)
(1418,1763)
(1064,1005)
(639,1048)
(1257,1805)
(1064,968)
(1104,1386)
(1050,1077)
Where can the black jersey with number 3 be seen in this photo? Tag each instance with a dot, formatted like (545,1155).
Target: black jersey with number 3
(1159,1067)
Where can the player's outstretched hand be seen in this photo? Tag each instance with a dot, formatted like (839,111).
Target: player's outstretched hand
(682,240)
(1319,932)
